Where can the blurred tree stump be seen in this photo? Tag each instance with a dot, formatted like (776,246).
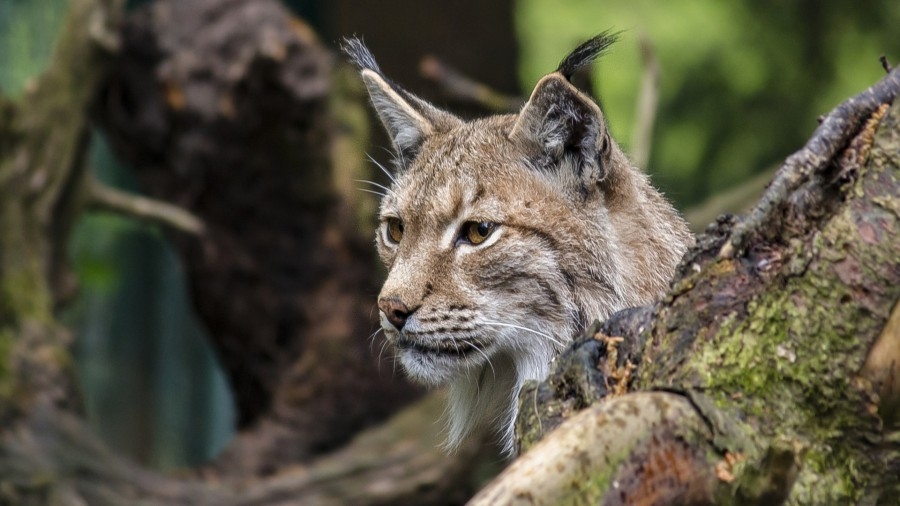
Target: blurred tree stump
(235,112)
(768,371)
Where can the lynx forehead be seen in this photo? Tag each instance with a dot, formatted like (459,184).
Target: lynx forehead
(505,236)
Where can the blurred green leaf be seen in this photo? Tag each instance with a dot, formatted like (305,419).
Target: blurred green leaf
(28,31)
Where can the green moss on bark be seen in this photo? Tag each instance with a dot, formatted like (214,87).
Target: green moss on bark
(787,361)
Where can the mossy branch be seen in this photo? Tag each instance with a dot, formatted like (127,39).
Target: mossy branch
(577,462)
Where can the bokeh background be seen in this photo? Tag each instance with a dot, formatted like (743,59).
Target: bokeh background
(740,86)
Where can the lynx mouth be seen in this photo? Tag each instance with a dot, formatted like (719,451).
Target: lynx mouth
(446,348)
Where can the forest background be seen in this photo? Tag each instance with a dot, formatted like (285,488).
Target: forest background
(740,86)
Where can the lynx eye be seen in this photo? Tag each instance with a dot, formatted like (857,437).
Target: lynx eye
(394,230)
(476,232)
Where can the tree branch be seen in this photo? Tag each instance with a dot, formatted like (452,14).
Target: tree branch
(397,463)
(568,465)
(42,146)
(831,136)
(648,101)
(106,198)
(457,86)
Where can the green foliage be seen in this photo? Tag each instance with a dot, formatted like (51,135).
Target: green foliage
(28,31)
(741,82)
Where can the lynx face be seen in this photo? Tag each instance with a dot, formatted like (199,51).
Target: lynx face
(504,236)
(469,240)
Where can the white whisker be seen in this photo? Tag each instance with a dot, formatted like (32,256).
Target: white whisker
(542,334)
(373,183)
(397,156)
(371,338)
(392,358)
(372,192)
(386,172)
(384,343)
(483,354)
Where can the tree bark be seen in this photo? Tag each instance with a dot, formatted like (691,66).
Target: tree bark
(766,374)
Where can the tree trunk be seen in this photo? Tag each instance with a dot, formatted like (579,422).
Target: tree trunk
(766,373)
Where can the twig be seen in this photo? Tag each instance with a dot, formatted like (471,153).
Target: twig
(832,135)
(885,64)
(460,87)
(648,100)
(105,198)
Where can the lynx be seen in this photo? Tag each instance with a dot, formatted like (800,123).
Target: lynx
(504,236)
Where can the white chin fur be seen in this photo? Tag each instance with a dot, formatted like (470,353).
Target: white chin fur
(487,396)
(484,388)
(427,369)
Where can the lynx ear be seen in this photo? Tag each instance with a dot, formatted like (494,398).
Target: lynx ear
(406,126)
(407,118)
(564,125)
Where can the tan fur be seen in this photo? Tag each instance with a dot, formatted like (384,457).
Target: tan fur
(576,239)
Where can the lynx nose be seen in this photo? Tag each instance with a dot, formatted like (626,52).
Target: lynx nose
(396,311)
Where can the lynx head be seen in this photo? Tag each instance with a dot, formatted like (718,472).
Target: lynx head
(504,236)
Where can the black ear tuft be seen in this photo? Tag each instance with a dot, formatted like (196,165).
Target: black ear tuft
(359,54)
(586,53)
(407,118)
